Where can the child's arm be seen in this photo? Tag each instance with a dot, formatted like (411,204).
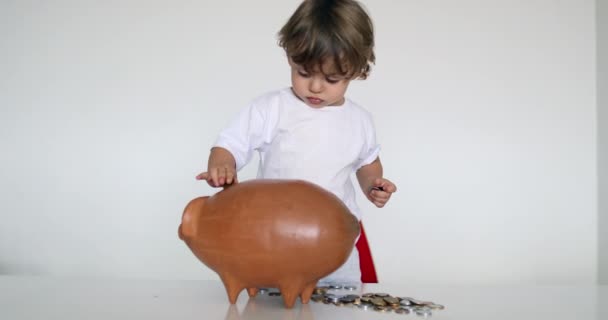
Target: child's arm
(221,168)
(377,189)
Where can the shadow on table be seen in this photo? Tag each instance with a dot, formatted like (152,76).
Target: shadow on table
(263,308)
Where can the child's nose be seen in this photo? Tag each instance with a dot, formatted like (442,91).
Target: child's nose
(315,85)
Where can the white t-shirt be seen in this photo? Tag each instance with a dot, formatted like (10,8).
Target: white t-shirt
(324,146)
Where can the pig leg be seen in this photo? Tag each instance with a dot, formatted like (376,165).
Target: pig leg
(305,296)
(252,292)
(233,287)
(290,292)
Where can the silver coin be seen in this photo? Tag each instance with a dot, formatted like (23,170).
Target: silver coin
(405,302)
(424,313)
(420,302)
(347,299)
(336,286)
(262,290)
(422,310)
(436,306)
(365,306)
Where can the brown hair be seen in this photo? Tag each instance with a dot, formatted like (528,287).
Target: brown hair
(330,29)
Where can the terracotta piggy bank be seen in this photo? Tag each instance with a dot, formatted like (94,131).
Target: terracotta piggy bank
(284,234)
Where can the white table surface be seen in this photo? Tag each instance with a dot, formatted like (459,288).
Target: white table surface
(31,297)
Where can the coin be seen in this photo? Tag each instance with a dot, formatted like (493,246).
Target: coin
(436,306)
(405,302)
(335,286)
(382,309)
(320,290)
(316,298)
(365,306)
(378,302)
(350,288)
(274,293)
(262,290)
(402,311)
(424,311)
(420,302)
(391,300)
(347,299)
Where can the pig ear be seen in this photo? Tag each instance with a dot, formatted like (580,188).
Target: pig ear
(192,212)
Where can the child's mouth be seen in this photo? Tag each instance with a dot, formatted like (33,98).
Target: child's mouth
(314,100)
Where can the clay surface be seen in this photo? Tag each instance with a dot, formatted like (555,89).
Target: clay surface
(284,234)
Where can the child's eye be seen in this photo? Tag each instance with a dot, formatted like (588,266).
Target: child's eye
(303,74)
(332,81)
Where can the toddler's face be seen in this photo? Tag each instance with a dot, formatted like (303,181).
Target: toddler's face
(318,89)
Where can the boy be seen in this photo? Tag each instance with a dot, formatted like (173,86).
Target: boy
(310,131)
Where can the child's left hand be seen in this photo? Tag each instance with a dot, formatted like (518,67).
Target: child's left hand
(381,192)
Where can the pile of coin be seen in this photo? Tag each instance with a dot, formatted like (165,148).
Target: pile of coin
(381,302)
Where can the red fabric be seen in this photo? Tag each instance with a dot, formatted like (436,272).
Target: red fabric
(366,262)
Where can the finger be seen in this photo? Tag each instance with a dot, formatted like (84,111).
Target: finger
(390,187)
(220,179)
(380,198)
(385,185)
(215,177)
(230,177)
(378,182)
(378,204)
(377,188)
(202,176)
(380,195)
(222,176)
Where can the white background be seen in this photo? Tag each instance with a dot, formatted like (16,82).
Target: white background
(602,94)
(486,111)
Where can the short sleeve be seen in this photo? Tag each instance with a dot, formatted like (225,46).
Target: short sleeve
(244,134)
(370,148)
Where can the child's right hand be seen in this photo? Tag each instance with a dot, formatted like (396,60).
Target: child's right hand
(219,176)
(221,168)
